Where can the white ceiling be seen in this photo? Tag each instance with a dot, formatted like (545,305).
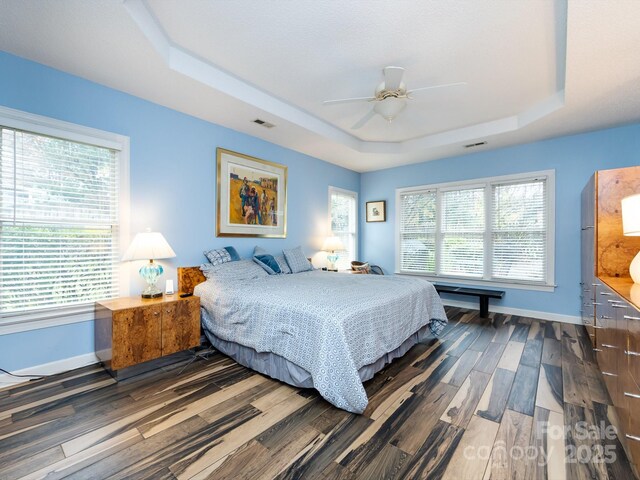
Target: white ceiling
(534,69)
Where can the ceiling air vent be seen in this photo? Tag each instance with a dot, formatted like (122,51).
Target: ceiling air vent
(264,124)
(473,145)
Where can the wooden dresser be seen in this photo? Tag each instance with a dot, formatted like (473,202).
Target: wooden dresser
(610,301)
(133,330)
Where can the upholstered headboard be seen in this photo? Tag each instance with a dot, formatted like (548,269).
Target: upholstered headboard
(188,278)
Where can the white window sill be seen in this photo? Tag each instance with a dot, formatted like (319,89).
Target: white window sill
(55,317)
(479,282)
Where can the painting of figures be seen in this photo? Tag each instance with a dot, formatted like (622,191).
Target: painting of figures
(251,196)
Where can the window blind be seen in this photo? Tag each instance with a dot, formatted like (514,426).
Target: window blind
(58,222)
(463,226)
(418,232)
(343,225)
(493,230)
(519,230)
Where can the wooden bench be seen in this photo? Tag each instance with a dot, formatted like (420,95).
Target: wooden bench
(481,293)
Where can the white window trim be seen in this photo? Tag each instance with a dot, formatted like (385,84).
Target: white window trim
(42,125)
(549,286)
(344,191)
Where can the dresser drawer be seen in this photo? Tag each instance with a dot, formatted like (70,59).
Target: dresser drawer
(632,351)
(630,423)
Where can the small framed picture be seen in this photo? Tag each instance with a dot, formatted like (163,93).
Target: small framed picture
(377,211)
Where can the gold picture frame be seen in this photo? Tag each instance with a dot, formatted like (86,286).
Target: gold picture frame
(251,196)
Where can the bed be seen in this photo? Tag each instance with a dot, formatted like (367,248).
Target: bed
(315,329)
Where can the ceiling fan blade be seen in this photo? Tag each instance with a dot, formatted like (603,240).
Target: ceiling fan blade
(457,84)
(392,77)
(348,100)
(361,123)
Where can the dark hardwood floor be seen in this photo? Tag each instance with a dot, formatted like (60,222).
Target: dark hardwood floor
(490,399)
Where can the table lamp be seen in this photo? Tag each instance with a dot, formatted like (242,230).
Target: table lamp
(331,244)
(149,246)
(631,227)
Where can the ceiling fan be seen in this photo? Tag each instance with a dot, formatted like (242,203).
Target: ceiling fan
(390,96)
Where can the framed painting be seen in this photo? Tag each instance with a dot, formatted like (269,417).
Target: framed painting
(252,196)
(377,211)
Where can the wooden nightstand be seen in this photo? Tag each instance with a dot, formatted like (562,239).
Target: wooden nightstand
(133,330)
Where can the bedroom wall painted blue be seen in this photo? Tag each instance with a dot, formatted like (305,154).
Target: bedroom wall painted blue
(574,159)
(172,182)
(173,177)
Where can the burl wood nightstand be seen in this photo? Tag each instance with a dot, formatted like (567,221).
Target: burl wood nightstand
(131,331)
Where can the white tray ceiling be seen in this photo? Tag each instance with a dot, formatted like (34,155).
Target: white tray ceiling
(534,69)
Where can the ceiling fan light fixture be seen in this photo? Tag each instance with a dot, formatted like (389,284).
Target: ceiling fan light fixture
(390,107)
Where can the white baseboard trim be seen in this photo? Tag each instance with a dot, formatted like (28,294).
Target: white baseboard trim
(556,317)
(50,368)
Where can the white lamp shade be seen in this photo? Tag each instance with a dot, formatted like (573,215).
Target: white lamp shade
(631,215)
(331,244)
(148,246)
(389,108)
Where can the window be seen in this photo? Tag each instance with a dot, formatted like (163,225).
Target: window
(60,218)
(497,230)
(344,224)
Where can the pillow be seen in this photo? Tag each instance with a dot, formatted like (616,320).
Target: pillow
(239,270)
(268,262)
(222,255)
(259,251)
(296,260)
(282,263)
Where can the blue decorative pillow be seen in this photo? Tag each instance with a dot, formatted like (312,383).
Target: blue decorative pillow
(296,260)
(268,262)
(233,254)
(222,255)
(282,263)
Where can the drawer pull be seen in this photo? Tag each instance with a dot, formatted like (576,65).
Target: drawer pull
(632,395)
(156,313)
(632,437)
(615,305)
(596,303)
(609,374)
(609,294)
(629,317)
(605,317)
(632,354)
(587,227)
(598,328)
(606,345)
(597,349)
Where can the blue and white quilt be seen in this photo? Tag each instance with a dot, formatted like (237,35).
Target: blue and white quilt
(330,324)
